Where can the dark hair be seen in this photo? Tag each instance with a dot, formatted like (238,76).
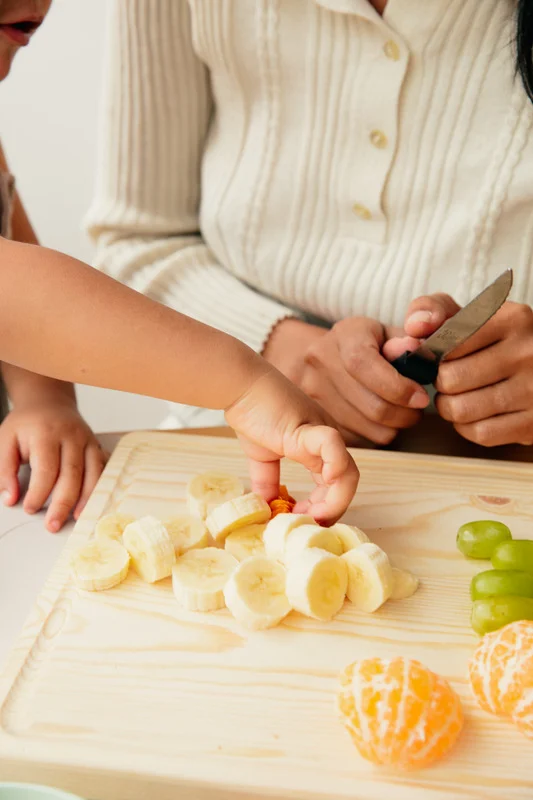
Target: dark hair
(524,44)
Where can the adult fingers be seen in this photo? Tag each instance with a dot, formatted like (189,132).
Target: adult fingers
(427,313)
(514,428)
(476,370)
(363,360)
(320,388)
(490,401)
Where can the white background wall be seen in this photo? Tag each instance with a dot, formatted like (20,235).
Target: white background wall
(48,124)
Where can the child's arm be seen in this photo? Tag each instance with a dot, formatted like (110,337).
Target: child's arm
(64,319)
(45,429)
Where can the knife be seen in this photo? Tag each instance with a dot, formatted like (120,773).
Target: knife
(422,364)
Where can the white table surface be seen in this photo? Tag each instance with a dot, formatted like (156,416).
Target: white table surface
(27,554)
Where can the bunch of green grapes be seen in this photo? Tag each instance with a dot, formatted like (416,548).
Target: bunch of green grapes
(504,593)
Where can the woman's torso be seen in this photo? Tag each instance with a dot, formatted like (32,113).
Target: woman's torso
(356,162)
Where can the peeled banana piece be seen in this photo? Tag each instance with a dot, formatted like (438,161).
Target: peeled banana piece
(306,536)
(150,548)
(199,578)
(405,584)
(350,536)
(278,530)
(100,565)
(317,583)
(187,533)
(370,577)
(237,513)
(209,490)
(255,593)
(246,542)
(112,527)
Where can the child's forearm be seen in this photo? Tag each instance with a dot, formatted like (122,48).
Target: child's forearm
(65,320)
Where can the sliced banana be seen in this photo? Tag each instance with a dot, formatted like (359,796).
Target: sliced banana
(236,513)
(112,527)
(405,584)
(316,583)
(278,529)
(350,536)
(187,533)
(209,490)
(100,565)
(199,578)
(370,578)
(255,593)
(151,549)
(306,536)
(246,542)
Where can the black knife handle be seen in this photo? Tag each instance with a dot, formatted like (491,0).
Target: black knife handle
(419,369)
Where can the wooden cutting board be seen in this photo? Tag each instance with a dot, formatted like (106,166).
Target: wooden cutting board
(123,696)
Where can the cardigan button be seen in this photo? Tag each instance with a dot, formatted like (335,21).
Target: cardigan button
(392,50)
(361,211)
(378,139)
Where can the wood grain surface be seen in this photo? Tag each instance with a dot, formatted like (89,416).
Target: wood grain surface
(124,696)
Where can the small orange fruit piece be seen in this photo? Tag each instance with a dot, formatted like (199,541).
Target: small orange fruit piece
(283,504)
(398,712)
(501,673)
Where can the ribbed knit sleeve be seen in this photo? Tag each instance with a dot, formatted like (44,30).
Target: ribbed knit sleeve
(145,215)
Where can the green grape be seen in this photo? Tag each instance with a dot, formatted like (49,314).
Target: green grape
(479,539)
(517,554)
(493,613)
(501,582)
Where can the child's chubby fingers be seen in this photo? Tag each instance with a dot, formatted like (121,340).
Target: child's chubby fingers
(264,476)
(321,449)
(9,467)
(68,487)
(44,459)
(95,461)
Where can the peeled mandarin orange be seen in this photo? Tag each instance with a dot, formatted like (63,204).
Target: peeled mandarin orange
(501,673)
(398,712)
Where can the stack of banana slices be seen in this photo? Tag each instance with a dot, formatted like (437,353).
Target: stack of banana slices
(229,552)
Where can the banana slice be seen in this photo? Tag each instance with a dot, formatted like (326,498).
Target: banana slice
(150,548)
(255,593)
(112,527)
(370,578)
(278,529)
(350,536)
(246,542)
(246,510)
(306,536)
(405,584)
(209,490)
(199,578)
(100,565)
(187,533)
(316,583)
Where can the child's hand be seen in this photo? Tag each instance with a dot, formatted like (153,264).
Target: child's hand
(63,454)
(275,419)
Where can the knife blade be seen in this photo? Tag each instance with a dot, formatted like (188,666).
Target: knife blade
(422,364)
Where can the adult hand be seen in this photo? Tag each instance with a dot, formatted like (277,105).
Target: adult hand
(486,386)
(344,371)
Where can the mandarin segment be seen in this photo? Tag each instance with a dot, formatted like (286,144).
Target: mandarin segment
(398,712)
(501,674)
(283,504)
